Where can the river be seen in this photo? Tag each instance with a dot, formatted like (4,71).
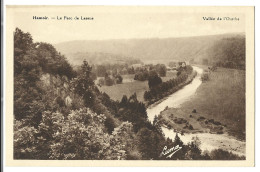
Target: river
(208,141)
(177,98)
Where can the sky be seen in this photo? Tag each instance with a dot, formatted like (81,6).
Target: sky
(122,22)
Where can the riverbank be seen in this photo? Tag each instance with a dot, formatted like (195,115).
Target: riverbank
(222,98)
(164,95)
(183,122)
(212,134)
(177,98)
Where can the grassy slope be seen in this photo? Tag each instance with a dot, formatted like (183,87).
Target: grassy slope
(222,98)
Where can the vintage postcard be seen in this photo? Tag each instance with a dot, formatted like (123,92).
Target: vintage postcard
(129,86)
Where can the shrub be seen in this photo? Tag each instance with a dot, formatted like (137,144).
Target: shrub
(109,81)
(110,124)
(220,154)
(154,80)
(204,77)
(119,79)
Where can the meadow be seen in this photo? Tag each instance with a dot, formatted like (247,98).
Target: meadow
(222,98)
(131,86)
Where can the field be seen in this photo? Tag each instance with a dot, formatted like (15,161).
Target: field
(222,98)
(130,86)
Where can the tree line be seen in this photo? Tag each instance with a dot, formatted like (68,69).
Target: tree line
(158,91)
(143,73)
(228,53)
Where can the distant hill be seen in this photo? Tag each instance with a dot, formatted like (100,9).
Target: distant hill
(99,58)
(166,49)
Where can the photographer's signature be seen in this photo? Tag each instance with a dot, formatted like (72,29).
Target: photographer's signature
(171,151)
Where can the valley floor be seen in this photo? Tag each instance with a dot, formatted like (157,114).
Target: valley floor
(131,86)
(221,101)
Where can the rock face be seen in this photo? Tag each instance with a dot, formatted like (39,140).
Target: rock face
(60,86)
(68,101)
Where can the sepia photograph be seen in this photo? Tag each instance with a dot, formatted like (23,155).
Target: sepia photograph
(164,84)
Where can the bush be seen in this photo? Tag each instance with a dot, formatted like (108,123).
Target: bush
(109,81)
(110,124)
(154,80)
(101,81)
(220,154)
(119,79)
(141,76)
(204,77)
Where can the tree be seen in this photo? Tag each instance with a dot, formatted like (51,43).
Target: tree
(122,141)
(27,93)
(124,100)
(229,52)
(80,136)
(220,154)
(131,70)
(162,70)
(179,73)
(204,77)
(154,80)
(25,141)
(119,79)
(194,151)
(22,43)
(141,75)
(172,64)
(101,81)
(177,140)
(149,143)
(110,124)
(101,71)
(52,61)
(109,81)
(84,85)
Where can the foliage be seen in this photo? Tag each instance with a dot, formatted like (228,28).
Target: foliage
(101,82)
(219,154)
(150,143)
(162,70)
(25,141)
(154,80)
(142,73)
(172,64)
(109,81)
(84,85)
(158,90)
(119,79)
(100,71)
(31,61)
(93,126)
(79,136)
(141,76)
(109,124)
(122,142)
(229,53)
(204,77)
